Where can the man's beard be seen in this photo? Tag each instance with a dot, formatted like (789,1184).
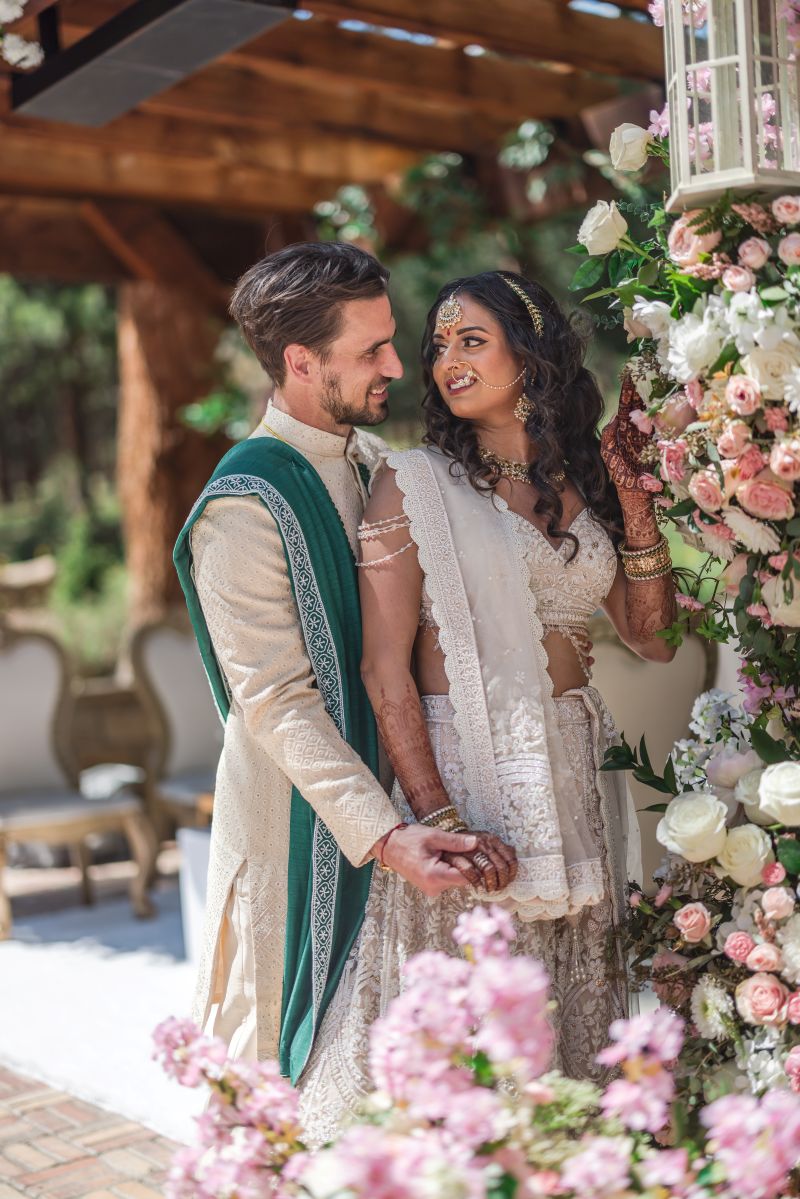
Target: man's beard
(350,414)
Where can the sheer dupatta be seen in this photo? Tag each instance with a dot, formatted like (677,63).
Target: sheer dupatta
(518,779)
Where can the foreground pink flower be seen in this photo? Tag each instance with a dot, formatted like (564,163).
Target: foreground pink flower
(657,1034)
(185,1054)
(602,1168)
(686,244)
(756,1141)
(792,1068)
(761,1000)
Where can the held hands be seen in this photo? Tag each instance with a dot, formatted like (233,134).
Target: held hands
(492,865)
(621,441)
(418,854)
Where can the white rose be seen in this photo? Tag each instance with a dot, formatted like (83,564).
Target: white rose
(654,315)
(789,941)
(783,613)
(770,367)
(694,344)
(628,147)
(746,851)
(779,793)
(746,793)
(693,826)
(602,228)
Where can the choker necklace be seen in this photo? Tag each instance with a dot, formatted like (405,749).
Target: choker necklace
(516,471)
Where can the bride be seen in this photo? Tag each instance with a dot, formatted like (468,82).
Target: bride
(484,553)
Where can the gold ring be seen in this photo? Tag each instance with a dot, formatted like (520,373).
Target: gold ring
(482,859)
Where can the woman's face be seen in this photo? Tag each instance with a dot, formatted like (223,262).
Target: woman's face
(468,355)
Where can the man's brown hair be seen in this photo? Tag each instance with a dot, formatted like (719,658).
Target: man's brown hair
(295,297)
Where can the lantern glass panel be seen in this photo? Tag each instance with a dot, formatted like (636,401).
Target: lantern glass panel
(733,84)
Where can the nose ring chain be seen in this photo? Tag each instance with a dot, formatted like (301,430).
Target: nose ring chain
(473,374)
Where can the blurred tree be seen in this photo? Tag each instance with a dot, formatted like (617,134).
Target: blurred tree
(57,383)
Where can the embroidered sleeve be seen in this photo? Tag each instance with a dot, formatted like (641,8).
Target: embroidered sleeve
(254,623)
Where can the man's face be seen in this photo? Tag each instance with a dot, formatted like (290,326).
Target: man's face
(361,363)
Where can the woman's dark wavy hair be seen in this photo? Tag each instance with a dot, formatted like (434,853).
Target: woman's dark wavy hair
(568,403)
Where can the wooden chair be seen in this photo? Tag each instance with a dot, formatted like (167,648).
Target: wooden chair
(171,683)
(654,699)
(40,798)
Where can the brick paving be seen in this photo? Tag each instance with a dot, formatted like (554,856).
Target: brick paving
(58,1147)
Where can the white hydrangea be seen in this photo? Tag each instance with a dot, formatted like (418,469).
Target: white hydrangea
(761,1061)
(789,941)
(712,1009)
(791,390)
(688,758)
(10,10)
(19,52)
(714,708)
(695,341)
(753,323)
(754,535)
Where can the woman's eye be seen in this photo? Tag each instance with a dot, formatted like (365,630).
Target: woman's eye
(469,342)
(437,349)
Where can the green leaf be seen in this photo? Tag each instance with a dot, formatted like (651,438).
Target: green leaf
(644,755)
(579,249)
(789,854)
(681,509)
(793,527)
(654,807)
(773,295)
(648,273)
(767,748)
(588,273)
(669,776)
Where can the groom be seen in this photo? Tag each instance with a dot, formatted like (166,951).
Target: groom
(267,564)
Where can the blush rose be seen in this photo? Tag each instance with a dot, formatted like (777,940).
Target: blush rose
(754,252)
(762,1000)
(686,244)
(738,946)
(789,249)
(733,439)
(738,278)
(784,459)
(743,395)
(764,497)
(764,957)
(777,903)
(693,922)
(786,210)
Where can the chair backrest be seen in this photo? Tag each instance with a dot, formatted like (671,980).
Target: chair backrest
(654,699)
(171,680)
(35,710)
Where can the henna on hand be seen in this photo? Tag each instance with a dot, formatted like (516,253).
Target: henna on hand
(621,442)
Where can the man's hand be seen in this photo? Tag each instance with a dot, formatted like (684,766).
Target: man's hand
(493,865)
(417,854)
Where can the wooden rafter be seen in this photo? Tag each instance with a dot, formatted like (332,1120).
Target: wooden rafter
(152,250)
(43,237)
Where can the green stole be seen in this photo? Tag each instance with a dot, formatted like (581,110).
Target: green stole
(327,896)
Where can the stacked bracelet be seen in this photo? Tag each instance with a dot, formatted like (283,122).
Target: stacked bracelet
(447,819)
(652,562)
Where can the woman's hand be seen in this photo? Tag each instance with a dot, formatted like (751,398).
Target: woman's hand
(622,442)
(492,865)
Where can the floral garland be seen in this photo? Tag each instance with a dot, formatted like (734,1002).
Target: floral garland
(710,301)
(466,1107)
(15,50)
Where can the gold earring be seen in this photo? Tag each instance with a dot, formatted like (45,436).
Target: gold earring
(524,408)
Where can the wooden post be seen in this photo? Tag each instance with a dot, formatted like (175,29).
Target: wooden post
(166,345)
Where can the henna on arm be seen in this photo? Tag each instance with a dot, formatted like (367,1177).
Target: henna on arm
(406,741)
(649,603)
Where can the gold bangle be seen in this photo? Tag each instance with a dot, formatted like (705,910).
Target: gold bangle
(662,544)
(646,578)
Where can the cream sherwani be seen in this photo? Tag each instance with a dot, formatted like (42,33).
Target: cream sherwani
(277,735)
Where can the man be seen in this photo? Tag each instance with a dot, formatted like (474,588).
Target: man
(267,563)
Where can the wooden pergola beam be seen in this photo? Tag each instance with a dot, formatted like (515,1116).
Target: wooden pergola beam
(540,29)
(153,251)
(49,164)
(45,238)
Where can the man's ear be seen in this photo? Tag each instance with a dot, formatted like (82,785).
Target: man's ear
(301,364)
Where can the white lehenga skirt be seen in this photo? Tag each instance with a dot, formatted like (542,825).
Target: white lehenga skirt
(583,955)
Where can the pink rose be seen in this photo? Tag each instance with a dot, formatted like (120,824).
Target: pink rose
(738,278)
(733,574)
(792,1068)
(733,438)
(762,999)
(642,421)
(765,498)
(649,482)
(635,898)
(673,460)
(786,210)
(743,395)
(773,872)
(738,946)
(675,415)
(728,765)
(662,895)
(789,249)
(777,903)
(776,419)
(706,490)
(694,393)
(685,244)
(784,459)
(764,957)
(754,252)
(749,463)
(793,1008)
(693,922)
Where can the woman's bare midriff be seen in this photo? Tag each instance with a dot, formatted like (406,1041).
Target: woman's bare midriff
(564,666)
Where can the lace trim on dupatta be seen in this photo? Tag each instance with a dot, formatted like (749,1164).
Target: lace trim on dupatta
(504,743)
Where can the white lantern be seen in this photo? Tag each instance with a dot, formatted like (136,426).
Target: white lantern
(733,88)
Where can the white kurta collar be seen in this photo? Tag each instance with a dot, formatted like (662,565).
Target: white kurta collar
(314,443)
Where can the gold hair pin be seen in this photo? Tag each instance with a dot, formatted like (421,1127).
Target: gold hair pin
(533,311)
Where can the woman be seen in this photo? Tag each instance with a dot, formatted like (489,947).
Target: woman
(483,556)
